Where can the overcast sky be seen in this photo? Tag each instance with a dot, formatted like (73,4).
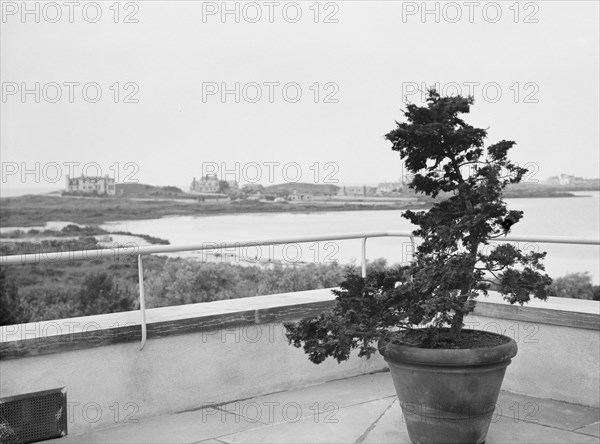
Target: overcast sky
(318,85)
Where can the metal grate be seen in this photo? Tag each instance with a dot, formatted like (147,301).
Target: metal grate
(33,416)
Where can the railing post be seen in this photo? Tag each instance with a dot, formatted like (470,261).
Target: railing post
(412,241)
(142,300)
(364,257)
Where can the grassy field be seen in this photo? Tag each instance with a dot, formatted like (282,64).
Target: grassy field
(34,210)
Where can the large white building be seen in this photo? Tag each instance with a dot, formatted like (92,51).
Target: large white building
(206,184)
(91,185)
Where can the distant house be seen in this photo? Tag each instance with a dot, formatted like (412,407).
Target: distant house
(389,187)
(256,196)
(295,196)
(91,185)
(353,191)
(206,184)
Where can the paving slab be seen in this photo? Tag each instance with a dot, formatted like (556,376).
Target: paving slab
(210,441)
(592,429)
(506,430)
(323,399)
(389,428)
(184,427)
(362,409)
(561,415)
(347,425)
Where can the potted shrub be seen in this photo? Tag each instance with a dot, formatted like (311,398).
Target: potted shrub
(447,378)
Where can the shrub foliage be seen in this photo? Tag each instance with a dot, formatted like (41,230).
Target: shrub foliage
(451,267)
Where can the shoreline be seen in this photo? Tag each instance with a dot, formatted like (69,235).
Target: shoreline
(35,210)
(32,211)
(101,221)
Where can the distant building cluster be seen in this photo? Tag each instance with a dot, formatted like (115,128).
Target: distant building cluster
(566,179)
(257,192)
(383,189)
(210,184)
(300,197)
(356,191)
(389,188)
(91,185)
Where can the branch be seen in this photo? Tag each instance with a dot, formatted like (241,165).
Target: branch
(494,274)
(456,166)
(472,162)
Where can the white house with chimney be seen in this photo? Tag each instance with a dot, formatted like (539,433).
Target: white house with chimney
(91,185)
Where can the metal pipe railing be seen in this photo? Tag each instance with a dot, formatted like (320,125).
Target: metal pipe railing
(129,250)
(142,299)
(574,240)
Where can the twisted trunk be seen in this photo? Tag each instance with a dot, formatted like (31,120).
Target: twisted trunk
(465,291)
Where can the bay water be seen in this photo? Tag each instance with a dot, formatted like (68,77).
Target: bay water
(569,216)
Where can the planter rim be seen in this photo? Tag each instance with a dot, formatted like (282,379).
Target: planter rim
(410,354)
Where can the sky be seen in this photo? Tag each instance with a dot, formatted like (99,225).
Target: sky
(270,92)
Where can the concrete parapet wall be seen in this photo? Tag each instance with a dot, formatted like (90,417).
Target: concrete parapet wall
(113,381)
(231,350)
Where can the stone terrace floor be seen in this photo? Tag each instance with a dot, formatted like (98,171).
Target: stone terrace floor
(362,409)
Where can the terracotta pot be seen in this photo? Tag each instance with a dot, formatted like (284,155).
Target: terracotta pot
(447,395)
